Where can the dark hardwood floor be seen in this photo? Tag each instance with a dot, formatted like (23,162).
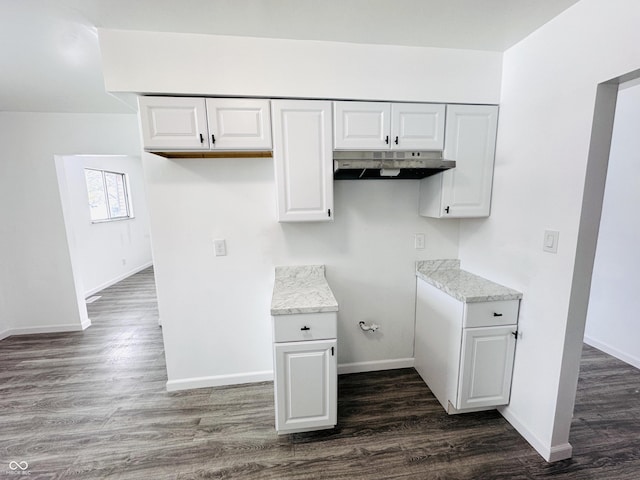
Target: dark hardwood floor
(93,405)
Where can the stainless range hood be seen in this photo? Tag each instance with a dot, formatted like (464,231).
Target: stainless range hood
(377,165)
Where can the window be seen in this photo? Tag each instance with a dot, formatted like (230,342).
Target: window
(108,195)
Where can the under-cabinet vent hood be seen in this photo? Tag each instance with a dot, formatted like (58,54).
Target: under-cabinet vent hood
(368,165)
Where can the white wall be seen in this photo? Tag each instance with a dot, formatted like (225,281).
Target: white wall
(215,310)
(36,275)
(4,315)
(153,62)
(611,320)
(107,252)
(547,107)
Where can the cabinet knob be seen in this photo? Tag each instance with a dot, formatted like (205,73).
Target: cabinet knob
(447,209)
(213,139)
(396,140)
(305,328)
(386,140)
(515,334)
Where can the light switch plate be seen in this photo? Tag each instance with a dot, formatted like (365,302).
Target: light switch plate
(419,241)
(550,242)
(219,247)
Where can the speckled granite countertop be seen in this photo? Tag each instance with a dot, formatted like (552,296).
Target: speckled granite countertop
(462,285)
(302,289)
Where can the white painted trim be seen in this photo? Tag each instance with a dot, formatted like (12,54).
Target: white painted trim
(560,452)
(267,376)
(119,278)
(375,365)
(219,380)
(614,352)
(69,327)
(85,324)
(549,453)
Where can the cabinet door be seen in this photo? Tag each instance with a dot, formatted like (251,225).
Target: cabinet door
(416,126)
(239,124)
(303,160)
(361,125)
(305,385)
(471,142)
(486,366)
(464,191)
(173,123)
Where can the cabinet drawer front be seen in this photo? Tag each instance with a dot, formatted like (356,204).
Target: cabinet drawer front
(304,326)
(487,314)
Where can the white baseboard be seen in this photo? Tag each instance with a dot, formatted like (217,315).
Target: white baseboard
(119,278)
(614,352)
(69,327)
(219,380)
(85,324)
(549,453)
(359,367)
(267,376)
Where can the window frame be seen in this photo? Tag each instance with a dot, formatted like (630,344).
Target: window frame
(127,195)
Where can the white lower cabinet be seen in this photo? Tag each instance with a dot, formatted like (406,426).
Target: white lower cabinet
(305,385)
(486,364)
(305,373)
(465,352)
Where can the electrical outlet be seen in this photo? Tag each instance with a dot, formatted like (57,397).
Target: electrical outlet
(419,241)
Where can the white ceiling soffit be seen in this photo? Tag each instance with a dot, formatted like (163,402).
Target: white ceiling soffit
(469,24)
(49,53)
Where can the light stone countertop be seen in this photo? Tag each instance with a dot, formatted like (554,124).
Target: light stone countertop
(302,289)
(462,285)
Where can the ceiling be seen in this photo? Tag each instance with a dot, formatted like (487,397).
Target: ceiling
(50,58)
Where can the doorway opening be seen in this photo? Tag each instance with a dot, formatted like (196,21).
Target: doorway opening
(584,274)
(105,214)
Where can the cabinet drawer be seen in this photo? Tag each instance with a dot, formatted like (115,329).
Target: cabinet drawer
(304,326)
(488,314)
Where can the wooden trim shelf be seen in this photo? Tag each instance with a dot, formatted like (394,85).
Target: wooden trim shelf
(209,154)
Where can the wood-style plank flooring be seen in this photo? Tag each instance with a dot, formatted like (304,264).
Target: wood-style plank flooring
(93,405)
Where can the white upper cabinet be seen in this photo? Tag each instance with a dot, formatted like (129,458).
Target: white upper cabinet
(464,191)
(388,126)
(177,123)
(361,125)
(303,160)
(417,126)
(187,123)
(239,124)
